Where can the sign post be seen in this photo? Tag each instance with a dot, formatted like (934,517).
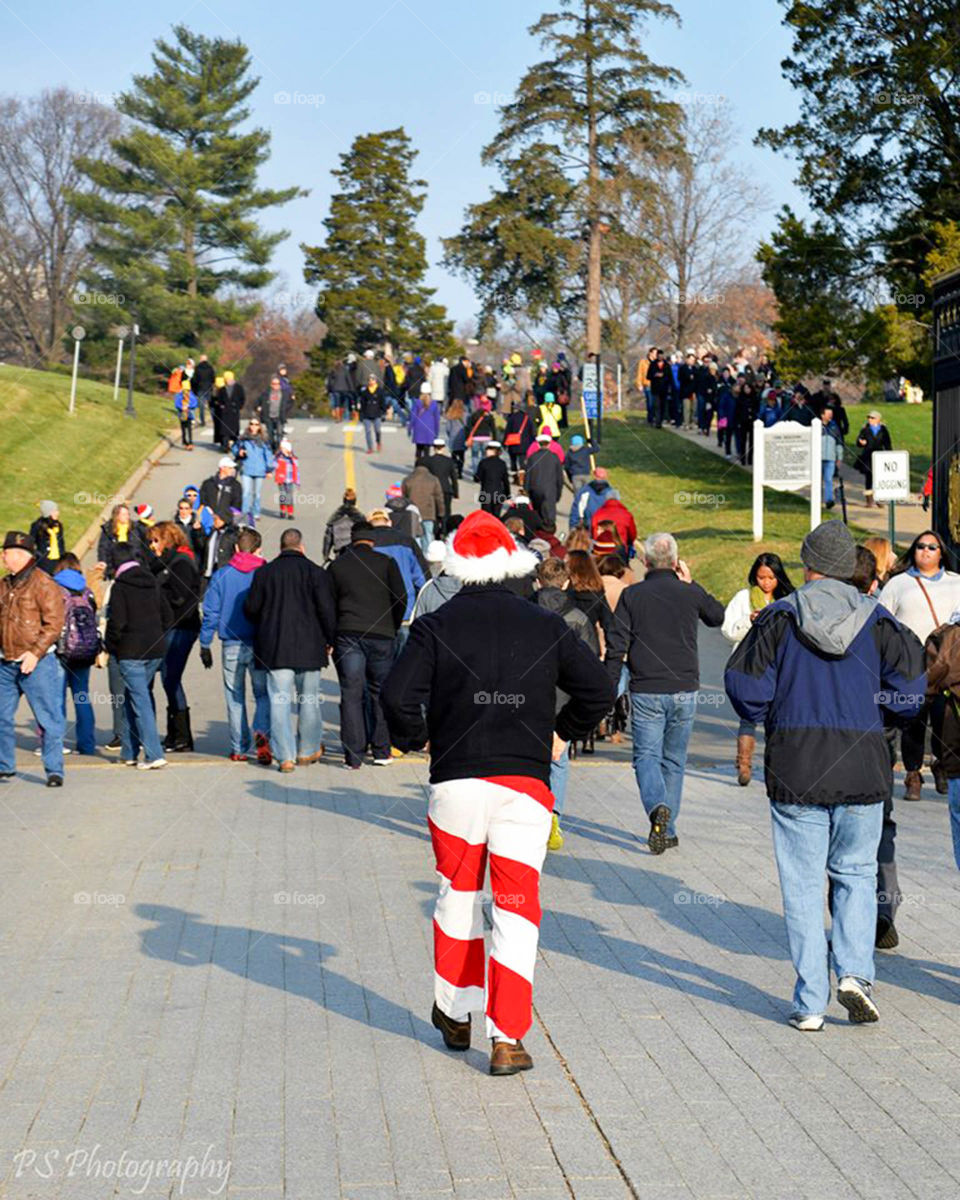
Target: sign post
(120,333)
(786,457)
(78,333)
(891,482)
(590,395)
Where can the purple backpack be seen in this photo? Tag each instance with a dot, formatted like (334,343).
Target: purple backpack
(79,642)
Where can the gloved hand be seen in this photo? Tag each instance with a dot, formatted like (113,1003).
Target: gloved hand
(206,656)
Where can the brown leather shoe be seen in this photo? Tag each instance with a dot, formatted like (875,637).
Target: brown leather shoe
(287,767)
(309,759)
(940,779)
(507,1058)
(913,786)
(456,1034)
(746,744)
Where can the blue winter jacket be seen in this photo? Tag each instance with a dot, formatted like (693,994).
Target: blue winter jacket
(259,461)
(223,601)
(817,669)
(589,498)
(185,406)
(410,569)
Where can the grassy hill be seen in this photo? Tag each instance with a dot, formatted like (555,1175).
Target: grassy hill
(79,461)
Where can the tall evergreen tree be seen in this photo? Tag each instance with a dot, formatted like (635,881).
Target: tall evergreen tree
(596,86)
(372,266)
(176,212)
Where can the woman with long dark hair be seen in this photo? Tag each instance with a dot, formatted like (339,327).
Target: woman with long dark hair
(767,582)
(176,568)
(922,594)
(587,591)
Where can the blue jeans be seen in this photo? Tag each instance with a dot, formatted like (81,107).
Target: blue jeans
(559,775)
(953,801)
(371,431)
(363,663)
(179,644)
(808,841)
(829,469)
(77,679)
(141,730)
(661,724)
(237,660)
(426,536)
(252,486)
(43,688)
(115,683)
(287,688)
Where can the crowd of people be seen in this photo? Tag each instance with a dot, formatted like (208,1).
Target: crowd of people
(507,645)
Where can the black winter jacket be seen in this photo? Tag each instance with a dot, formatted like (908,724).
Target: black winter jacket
(544,476)
(138,616)
(485,669)
(290,605)
(368,591)
(445,469)
(179,578)
(220,494)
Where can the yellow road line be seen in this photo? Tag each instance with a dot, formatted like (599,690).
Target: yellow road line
(349,471)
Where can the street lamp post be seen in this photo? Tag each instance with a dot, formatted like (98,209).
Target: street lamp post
(120,333)
(130,411)
(78,333)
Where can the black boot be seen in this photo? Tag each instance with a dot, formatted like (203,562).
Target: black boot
(183,739)
(170,739)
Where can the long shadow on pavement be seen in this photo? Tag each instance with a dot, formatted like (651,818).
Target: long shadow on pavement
(290,964)
(406,814)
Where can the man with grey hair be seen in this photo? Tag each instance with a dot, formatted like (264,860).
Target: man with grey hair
(655,629)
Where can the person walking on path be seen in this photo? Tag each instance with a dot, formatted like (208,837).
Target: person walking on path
(31,619)
(578,464)
(544,480)
(204,378)
(456,686)
(232,400)
(222,491)
(77,648)
(371,599)
(185,405)
(286,475)
(274,409)
(493,479)
(290,605)
(223,616)
(872,437)
(119,531)
(815,668)
(442,465)
(136,635)
(48,536)
(422,489)
(921,593)
(373,409)
(256,461)
(590,497)
(831,454)
(176,568)
(336,535)
(664,677)
(767,582)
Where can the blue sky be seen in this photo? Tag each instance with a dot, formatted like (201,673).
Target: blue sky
(428,65)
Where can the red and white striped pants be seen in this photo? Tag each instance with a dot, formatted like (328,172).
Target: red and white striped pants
(509,816)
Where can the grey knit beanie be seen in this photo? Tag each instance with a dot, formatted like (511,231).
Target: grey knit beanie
(830,550)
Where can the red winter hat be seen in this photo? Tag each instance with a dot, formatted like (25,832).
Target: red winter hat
(482,550)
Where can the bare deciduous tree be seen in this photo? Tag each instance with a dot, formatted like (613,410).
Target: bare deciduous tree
(43,242)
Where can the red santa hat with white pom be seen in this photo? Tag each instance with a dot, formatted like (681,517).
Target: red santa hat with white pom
(482,550)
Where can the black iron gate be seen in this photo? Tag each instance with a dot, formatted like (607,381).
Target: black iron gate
(946,410)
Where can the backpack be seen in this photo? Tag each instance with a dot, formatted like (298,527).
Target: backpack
(341,528)
(175,382)
(79,641)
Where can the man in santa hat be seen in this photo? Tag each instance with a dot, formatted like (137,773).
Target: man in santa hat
(478,681)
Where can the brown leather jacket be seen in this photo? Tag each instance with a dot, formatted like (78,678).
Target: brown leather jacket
(943,679)
(31,612)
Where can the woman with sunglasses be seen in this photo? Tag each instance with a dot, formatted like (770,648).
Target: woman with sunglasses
(921,593)
(255,461)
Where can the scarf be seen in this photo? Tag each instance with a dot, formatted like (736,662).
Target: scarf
(759,598)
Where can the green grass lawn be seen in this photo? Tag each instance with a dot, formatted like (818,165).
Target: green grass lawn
(911,428)
(79,461)
(706,502)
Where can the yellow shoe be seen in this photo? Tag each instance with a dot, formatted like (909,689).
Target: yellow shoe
(555,840)
(395,753)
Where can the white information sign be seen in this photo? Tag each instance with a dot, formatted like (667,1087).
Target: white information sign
(786,457)
(891,475)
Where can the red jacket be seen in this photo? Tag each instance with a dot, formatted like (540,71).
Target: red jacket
(287,470)
(617,512)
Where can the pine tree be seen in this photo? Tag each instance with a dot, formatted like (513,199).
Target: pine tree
(372,266)
(596,87)
(176,220)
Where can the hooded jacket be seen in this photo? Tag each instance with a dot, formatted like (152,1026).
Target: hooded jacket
(435,593)
(817,668)
(139,615)
(409,558)
(616,511)
(223,601)
(590,497)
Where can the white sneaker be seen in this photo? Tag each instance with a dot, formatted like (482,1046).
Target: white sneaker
(382,762)
(806,1023)
(855,997)
(152,766)
(129,762)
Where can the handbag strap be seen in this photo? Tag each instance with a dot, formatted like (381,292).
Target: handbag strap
(926,596)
